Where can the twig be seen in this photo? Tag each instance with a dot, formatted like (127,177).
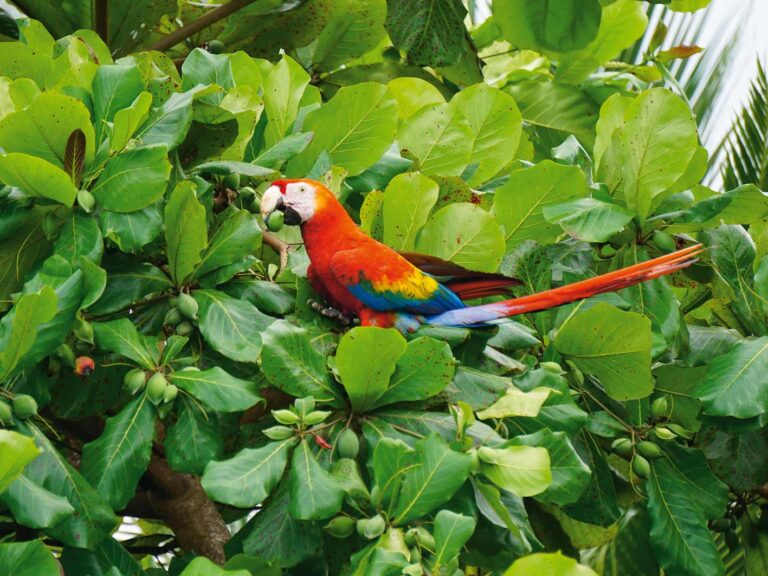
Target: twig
(195,26)
(278,246)
(101,19)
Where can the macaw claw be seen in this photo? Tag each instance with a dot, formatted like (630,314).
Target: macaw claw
(330,312)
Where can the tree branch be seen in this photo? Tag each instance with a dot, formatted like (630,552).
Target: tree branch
(101,19)
(195,26)
(278,246)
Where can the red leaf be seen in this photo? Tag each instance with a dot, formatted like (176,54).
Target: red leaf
(321,442)
(678,52)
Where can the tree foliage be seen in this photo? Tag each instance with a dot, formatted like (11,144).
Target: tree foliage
(162,366)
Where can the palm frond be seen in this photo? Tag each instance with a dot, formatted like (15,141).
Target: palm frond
(744,150)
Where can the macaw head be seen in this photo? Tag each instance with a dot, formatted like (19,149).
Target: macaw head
(299,200)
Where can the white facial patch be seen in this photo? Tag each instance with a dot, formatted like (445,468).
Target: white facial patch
(300,197)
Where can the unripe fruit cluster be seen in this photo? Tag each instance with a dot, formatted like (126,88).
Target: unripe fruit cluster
(638,453)
(183,314)
(22,406)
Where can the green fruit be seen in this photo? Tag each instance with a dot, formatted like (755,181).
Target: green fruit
(275,221)
(660,408)
(415,553)
(410,538)
(622,447)
(134,380)
(424,538)
(169,394)
(188,306)
(663,433)
(185,328)
(231,181)
(304,406)
(190,369)
(641,467)
(24,406)
(6,414)
(156,386)
(50,225)
(315,417)
(664,241)
(173,317)
(394,541)
(721,525)
(216,47)
(246,194)
(84,331)
(414,569)
(649,450)
(287,417)
(278,432)
(340,527)
(370,528)
(85,200)
(349,444)
(66,354)
(552,367)
(608,251)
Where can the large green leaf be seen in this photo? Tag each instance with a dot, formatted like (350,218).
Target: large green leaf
(37,177)
(356,26)
(185,231)
(451,533)
(108,558)
(315,495)
(355,127)
(424,370)
(465,234)
(366,359)
(120,336)
(230,326)
(217,389)
(193,440)
(496,123)
(283,89)
(558,25)
(407,202)
(248,478)
(440,137)
(680,538)
(519,204)
(291,363)
(17,333)
(692,467)
(523,470)
(80,237)
(27,559)
(132,230)
(48,511)
(114,463)
(127,120)
(170,123)
(129,282)
(17,451)
(552,564)
(588,219)
(236,237)
(614,346)
(133,179)
(433,474)
(735,383)
(114,87)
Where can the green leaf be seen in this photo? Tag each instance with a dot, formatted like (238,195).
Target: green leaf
(680,538)
(366,359)
(133,179)
(424,370)
(283,89)
(355,127)
(115,87)
(735,383)
(230,326)
(203,67)
(658,140)
(356,27)
(519,204)
(247,479)
(451,533)
(127,121)
(236,236)
(434,473)
(170,123)
(18,333)
(523,470)
(430,31)
(292,364)
(80,237)
(116,460)
(133,230)
(27,559)
(407,202)
(496,123)
(737,458)
(93,518)
(691,466)
(37,177)
(515,402)
(43,128)
(412,94)
(612,345)
(201,566)
(17,451)
(588,219)
(108,558)
(48,511)
(129,282)
(185,231)
(440,136)
(552,564)
(120,336)
(218,389)
(465,234)
(598,504)
(282,151)
(315,495)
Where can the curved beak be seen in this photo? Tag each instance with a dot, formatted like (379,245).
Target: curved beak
(271,200)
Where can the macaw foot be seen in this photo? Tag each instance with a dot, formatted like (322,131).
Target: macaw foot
(404,322)
(330,312)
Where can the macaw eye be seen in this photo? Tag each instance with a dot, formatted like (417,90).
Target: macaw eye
(302,188)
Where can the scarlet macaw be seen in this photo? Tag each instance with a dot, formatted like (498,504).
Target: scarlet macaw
(358,275)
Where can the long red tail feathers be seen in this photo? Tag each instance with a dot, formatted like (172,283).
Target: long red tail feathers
(609,282)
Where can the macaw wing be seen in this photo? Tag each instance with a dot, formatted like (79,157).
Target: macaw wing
(386,282)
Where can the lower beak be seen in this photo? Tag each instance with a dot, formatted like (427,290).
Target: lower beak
(271,200)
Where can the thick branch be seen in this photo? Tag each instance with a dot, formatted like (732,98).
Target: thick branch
(278,246)
(195,26)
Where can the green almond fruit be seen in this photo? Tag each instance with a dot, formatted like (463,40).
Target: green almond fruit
(170,393)
(156,386)
(552,367)
(86,200)
(340,527)
(173,317)
(663,433)
(184,328)
(246,194)
(370,528)
(216,47)
(24,406)
(304,406)
(187,306)
(660,408)
(134,380)
(622,447)
(721,525)
(315,417)
(649,450)
(278,432)
(275,221)
(641,467)
(285,416)
(231,181)
(6,414)
(348,444)
(414,569)
(664,241)
(66,354)
(424,538)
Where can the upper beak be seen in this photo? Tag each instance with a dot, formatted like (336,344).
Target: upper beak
(271,200)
